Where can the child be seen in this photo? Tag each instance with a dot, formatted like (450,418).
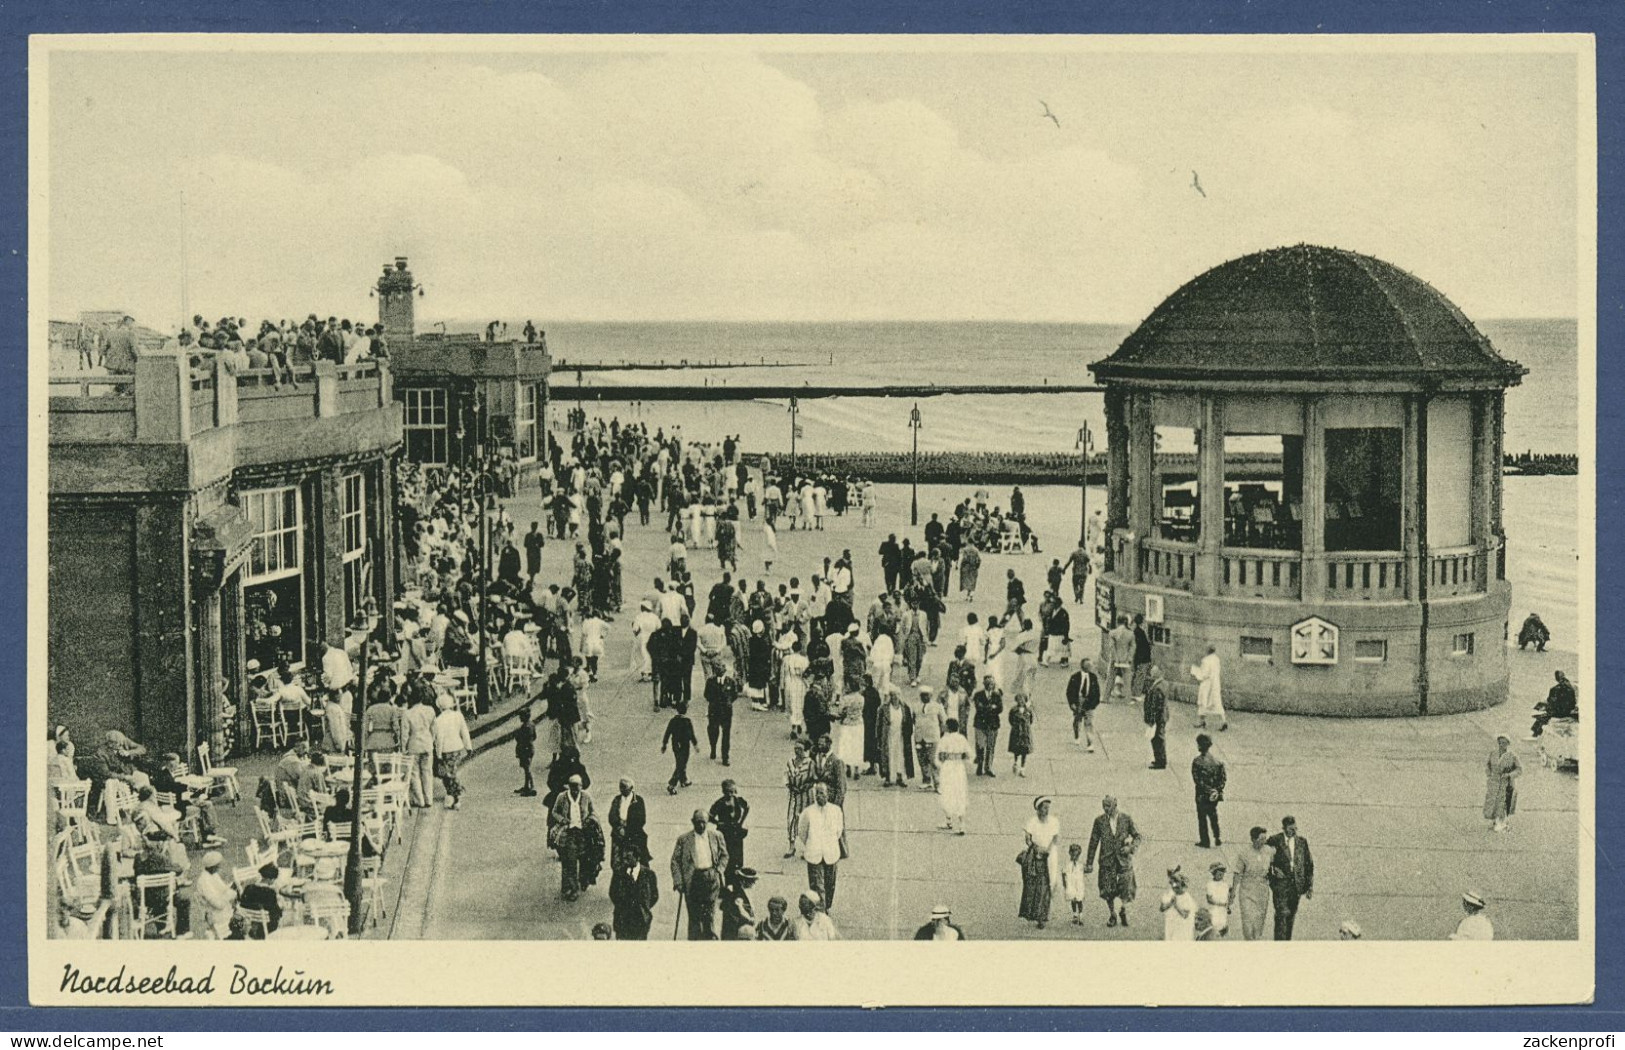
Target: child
(524,749)
(1021,734)
(592,642)
(680,737)
(1178,910)
(1072,882)
(1218,899)
(770,546)
(579,679)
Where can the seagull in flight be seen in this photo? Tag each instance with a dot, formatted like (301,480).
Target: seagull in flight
(1048,114)
(1196,184)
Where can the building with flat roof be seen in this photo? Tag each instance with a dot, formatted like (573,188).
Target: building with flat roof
(1368,575)
(199,519)
(462,396)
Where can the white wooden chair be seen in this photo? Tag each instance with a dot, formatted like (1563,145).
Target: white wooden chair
(191,828)
(268,724)
(373,885)
(331,914)
(117,800)
(155,906)
(224,778)
(518,671)
(72,803)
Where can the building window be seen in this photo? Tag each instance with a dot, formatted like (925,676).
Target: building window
(1462,645)
(1160,635)
(1255,648)
(274,587)
(1371,650)
(525,424)
(424,425)
(357,562)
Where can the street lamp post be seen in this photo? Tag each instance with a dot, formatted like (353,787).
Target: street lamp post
(914,499)
(482,486)
(1086,445)
(352,869)
(795,407)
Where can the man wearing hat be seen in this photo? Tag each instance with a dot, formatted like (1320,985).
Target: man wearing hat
(1475,925)
(572,811)
(939,928)
(215,899)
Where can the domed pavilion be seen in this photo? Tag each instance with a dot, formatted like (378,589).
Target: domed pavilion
(1305,475)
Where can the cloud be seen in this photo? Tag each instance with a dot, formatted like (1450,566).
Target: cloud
(689,184)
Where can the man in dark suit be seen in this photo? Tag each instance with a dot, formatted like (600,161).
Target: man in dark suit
(989,703)
(627,816)
(697,863)
(1291,875)
(690,644)
(1207,774)
(1083,696)
(1155,712)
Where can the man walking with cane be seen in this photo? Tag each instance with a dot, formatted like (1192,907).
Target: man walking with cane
(696,873)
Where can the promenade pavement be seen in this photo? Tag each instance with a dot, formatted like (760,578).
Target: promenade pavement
(1391,807)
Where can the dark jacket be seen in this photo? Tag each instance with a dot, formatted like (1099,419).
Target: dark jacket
(1281,874)
(988,709)
(1083,691)
(1156,705)
(928,932)
(1207,774)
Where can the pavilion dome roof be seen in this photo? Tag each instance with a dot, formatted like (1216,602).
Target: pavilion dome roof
(1307,312)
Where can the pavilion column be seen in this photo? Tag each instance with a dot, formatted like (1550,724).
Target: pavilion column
(1486,465)
(1142,473)
(1413,497)
(1117,469)
(1313,525)
(1497,404)
(1210,494)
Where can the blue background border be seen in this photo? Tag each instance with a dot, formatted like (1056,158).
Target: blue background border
(18,20)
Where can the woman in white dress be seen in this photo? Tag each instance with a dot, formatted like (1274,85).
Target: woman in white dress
(808,507)
(1041,863)
(1218,899)
(708,524)
(850,747)
(999,656)
(770,546)
(793,686)
(953,751)
(881,655)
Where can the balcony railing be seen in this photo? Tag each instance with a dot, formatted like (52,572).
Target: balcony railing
(166,400)
(1164,563)
(1246,572)
(1365,576)
(1453,571)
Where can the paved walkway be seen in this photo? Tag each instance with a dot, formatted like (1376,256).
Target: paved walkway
(1390,806)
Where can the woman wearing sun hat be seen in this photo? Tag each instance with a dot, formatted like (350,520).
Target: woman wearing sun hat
(1218,898)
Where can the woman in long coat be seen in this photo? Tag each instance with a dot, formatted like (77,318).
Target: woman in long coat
(758,662)
(896,732)
(1501,774)
(1115,840)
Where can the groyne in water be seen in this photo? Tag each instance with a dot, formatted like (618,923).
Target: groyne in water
(1056,468)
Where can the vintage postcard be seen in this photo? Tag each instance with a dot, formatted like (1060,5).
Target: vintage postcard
(1062,495)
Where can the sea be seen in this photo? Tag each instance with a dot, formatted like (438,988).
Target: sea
(1541,414)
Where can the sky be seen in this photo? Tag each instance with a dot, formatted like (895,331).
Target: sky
(686,182)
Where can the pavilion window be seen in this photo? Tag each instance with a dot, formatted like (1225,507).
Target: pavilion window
(525,422)
(1364,479)
(1178,511)
(1264,513)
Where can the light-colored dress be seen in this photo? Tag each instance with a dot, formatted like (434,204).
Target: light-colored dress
(793,684)
(850,747)
(1501,785)
(1218,904)
(953,751)
(1209,698)
(1177,927)
(1251,891)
